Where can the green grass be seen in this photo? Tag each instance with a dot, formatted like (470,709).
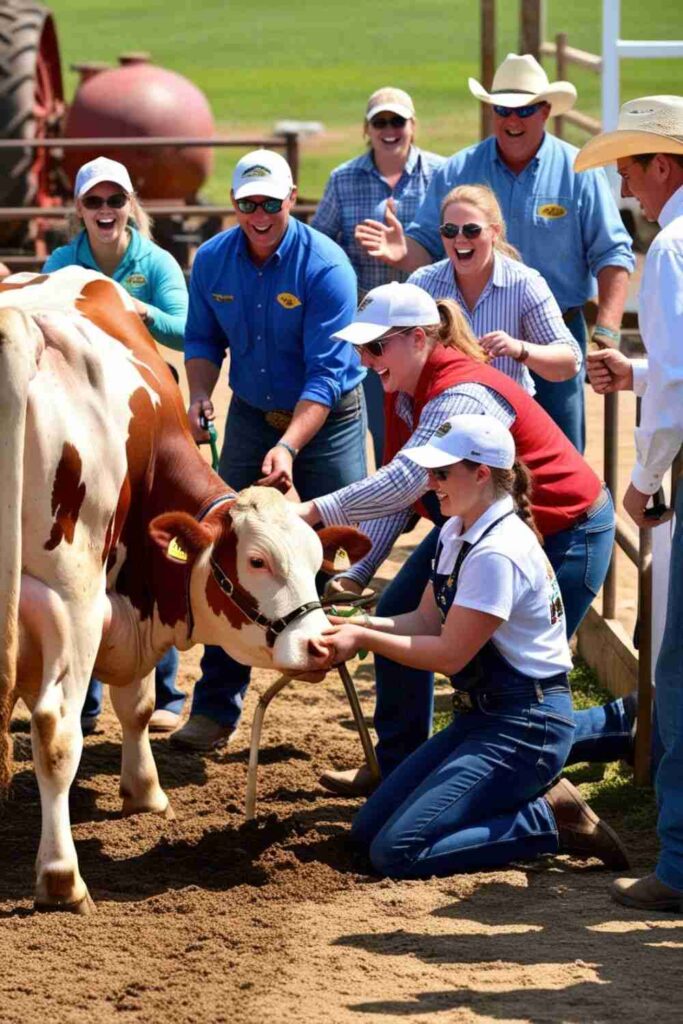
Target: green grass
(316,60)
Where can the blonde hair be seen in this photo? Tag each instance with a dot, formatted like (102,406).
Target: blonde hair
(485,201)
(138,218)
(454,331)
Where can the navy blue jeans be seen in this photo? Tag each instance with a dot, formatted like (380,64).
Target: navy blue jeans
(374,400)
(580,557)
(168,696)
(470,797)
(564,401)
(334,458)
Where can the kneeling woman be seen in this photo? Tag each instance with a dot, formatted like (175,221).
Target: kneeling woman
(480,793)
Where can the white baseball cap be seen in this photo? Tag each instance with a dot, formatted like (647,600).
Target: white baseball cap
(390,305)
(262,173)
(395,101)
(479,438)
(102,169)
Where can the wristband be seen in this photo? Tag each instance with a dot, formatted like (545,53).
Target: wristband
(607,332)
(523,355)
(288,447)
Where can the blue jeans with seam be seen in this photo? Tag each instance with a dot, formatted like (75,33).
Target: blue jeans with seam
(564,401)
(470,797)
(580,557)
(334,458)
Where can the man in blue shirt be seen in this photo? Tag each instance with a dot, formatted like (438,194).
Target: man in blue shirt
(565,225)
(273,291)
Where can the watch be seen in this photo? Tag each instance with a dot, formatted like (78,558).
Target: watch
(523,355)
(288,447)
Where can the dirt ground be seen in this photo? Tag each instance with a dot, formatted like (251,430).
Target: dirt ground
(206,919)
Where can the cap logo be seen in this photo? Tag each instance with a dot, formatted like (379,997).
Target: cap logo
(288,301)
(444,429)
(257,171)
(473,451)
(365,303)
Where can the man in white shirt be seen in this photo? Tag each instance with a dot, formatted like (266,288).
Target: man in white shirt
(648,149)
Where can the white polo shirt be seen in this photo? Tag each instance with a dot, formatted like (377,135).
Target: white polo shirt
(508,575)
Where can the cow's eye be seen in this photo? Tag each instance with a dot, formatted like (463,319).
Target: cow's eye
(257,563)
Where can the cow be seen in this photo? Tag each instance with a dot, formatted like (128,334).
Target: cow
(117,540)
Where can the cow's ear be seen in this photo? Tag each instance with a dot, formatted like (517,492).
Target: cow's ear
(342,538)
(179,535)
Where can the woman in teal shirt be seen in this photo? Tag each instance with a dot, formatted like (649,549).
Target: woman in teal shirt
(116,241)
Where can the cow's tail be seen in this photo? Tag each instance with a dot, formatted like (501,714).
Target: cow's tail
(17,365)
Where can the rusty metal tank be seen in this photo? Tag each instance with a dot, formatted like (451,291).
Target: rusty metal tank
(140,99)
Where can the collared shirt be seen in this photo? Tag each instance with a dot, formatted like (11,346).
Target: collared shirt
(382,502)
(356,191)
(148,273)
(515,299)
(277,319)
(565,225)
(507,574)
(660,434)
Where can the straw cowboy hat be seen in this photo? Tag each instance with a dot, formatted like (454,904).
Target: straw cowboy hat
(521,81)
(652,124)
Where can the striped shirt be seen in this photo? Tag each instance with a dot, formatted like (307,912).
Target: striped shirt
(381,503)
(357,191)
(516,299)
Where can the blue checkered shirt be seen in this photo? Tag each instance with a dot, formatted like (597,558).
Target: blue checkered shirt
(356,191)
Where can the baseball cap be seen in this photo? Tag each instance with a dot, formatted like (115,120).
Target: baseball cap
(390,305)
(396,101)
(102,169)
(479,438)
(262,173)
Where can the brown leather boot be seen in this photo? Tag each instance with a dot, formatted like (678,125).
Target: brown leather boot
(646,893)
(581,832)
(354,782)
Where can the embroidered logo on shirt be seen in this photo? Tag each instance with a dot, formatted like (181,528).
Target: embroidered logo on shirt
(136,280)
(217,297)
(288,301)
(552,211)
(175,551)
(257,171)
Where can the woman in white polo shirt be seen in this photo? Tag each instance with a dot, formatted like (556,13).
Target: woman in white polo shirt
(482,792)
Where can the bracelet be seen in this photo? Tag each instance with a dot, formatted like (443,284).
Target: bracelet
(607,332)
(524,354)
(288,447)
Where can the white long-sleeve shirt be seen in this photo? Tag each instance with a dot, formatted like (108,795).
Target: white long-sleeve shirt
(660,381)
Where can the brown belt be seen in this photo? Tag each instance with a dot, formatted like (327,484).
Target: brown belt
(599,503)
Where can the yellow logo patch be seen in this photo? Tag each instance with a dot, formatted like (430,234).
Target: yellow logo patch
(288,301)
(217,297)
(552,211)
(175,551)
(136,280)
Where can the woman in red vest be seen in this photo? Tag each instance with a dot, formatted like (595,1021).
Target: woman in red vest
(432,368)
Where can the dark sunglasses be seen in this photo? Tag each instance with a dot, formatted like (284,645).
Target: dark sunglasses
(388,122)
(376,348)
(440,474)
(115,202)
(268,205)
(522,112)
(453,230)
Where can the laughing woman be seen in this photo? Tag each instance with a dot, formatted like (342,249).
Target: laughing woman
(482,792)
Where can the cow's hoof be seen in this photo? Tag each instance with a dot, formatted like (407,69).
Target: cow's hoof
(83,906)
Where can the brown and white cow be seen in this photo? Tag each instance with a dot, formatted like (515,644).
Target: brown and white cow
(116,541)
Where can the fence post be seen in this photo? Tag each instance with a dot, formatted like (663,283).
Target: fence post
(531,28)
(292,154)
(561,44)
(487,60)
(610,463)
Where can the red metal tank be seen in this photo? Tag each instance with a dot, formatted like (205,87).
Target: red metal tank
(140,99)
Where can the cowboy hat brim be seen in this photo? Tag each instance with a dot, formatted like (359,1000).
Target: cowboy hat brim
(612,146)
(560,95)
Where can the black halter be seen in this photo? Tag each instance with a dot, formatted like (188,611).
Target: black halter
(243,601)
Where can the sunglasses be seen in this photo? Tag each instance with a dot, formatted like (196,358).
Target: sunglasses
(115,202)
(376,348)
(268,205)
(522,112)
(453,230)
(440,474)
(388,122)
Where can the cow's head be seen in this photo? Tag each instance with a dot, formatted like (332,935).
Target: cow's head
(252,563)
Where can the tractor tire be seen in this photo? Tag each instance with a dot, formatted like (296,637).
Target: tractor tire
(31,102)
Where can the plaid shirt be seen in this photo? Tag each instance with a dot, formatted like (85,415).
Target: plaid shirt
(356,191)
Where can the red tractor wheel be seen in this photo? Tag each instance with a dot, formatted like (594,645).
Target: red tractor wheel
(31,107)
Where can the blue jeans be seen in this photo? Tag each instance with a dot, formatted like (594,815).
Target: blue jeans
(580,557)
(470,797)
(374,400)
(564,401)
(334,458)
(669,709)
(168,696)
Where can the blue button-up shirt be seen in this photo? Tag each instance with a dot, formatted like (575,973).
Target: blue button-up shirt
(565,225)
(277,319)
(356,191)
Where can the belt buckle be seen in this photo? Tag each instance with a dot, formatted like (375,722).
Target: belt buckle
(279,419)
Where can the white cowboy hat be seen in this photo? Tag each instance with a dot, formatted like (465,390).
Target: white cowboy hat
(652,124)
(521,81)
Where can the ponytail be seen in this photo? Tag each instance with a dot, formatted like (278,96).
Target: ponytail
(455,332)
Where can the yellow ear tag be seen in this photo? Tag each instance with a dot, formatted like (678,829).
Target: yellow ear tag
(175,551)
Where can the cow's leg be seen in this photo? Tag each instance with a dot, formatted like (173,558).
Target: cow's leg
(140,787)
